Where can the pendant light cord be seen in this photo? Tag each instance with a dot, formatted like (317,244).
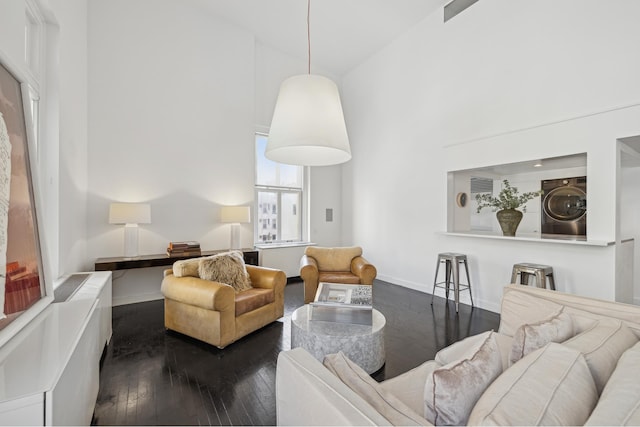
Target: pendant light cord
(309,35)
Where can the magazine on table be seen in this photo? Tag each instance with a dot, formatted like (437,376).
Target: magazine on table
(343,295)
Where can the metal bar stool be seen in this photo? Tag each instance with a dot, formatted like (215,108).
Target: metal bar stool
(452,263)
(538,271)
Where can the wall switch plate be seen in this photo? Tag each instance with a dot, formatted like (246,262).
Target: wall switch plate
(329,215)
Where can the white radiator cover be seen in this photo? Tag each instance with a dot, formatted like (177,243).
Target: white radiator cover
(285,258)
(49,371)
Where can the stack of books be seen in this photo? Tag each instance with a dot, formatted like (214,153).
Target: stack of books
(183,249)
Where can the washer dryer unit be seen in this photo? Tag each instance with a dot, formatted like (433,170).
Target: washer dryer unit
(564,206)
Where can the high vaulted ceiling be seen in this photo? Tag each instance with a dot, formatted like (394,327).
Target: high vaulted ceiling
(343,32)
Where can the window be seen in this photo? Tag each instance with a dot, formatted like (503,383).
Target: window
(279,197)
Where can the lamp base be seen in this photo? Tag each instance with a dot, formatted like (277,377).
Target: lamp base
(131,240)
(235,236)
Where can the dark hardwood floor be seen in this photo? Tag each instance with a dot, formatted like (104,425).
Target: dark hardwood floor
(153,377)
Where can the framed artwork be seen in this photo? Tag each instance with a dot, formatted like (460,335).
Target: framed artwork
(21,270)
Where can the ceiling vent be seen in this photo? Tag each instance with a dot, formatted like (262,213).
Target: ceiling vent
(455,7)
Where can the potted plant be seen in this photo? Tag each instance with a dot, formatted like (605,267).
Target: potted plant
(506,205)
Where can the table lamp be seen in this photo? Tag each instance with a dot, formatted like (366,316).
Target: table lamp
(235,215)
(130,214)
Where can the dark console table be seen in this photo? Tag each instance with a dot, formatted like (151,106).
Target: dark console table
(143,261)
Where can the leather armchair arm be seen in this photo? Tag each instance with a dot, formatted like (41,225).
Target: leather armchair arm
(364,270)
(199,292)
(266,278)
(309,273)
(308,268)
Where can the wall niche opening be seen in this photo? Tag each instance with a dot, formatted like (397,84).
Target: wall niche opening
(465,185)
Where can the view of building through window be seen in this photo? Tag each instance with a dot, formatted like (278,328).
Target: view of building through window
(279,197)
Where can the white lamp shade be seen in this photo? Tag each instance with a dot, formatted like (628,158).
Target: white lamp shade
(129,213)
(238,214)
(308,125)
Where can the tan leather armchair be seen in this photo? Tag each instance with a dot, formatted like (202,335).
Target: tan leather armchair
(335,265)
(214,313)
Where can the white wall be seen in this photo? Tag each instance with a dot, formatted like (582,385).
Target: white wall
(61,156)
(462,95)
(71,16)
(12,21)
(630,224)
(326,193)
(174,103)
(171,123)
(595,272)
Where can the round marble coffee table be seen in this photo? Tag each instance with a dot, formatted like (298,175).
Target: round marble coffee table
(363,344)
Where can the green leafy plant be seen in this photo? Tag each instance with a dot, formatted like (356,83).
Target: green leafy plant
(508,198)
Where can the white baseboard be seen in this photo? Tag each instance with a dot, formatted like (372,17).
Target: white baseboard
(132,299)
(404,283)
(487,305)
(420,287)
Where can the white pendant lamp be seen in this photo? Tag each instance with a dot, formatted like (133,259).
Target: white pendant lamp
(308,125)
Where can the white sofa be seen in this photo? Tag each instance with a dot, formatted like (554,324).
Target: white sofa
(591,376)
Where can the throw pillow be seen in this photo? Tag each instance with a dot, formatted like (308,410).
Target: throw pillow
(451,392)
(519,308)
(389,406)
(227,267)
(619,404)
(186,267)
(459,349)
(528,338)
(602,346)
(551,386)
(409,386)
